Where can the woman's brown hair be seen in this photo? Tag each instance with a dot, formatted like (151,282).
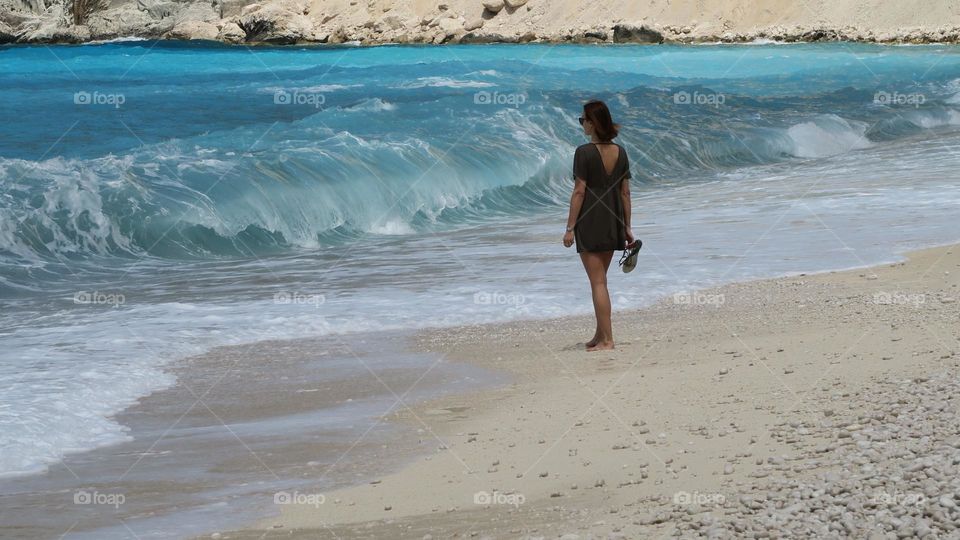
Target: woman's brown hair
(598,114)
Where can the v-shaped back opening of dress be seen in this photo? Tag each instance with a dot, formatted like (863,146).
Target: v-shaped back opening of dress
(616,160)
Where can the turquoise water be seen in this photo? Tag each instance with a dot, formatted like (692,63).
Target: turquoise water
(159,199)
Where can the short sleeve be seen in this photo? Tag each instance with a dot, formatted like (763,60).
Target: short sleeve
(580,163)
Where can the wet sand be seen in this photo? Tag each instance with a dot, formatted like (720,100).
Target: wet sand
(241,425)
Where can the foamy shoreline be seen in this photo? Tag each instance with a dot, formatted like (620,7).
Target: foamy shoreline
(696,400)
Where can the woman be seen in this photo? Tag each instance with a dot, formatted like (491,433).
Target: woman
(599,217)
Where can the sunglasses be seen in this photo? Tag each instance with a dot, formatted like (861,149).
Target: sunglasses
(581,119)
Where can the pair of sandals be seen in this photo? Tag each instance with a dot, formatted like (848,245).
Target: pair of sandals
(628,261)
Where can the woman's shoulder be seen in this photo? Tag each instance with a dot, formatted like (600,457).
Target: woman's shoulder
(584,147)
(589,146)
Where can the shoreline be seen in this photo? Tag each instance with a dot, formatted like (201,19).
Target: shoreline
(710,41)
(206,451)
(771,36)
(483,444)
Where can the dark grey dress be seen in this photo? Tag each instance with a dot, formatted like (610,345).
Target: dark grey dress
(600,225)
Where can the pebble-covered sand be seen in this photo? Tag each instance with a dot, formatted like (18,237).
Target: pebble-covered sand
(882,465)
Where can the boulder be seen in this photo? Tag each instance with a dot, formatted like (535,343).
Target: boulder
(6,33)
(392,22)
(473,24)
(125,20)
(483,37)
(818,34)
(514,4)
(248,9)
(493,6)
(277,23)
(193,30)
(158,9)
(232,8)
(450,26)
(589,35)
(231,33)
(199,11)
(52,33)
(628,33)
(52,28)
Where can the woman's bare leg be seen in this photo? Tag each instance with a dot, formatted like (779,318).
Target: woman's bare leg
(596,265)
(593,341)
(596,333)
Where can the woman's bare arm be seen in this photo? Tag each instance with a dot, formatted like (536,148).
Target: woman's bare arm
(627,208)
(576,201)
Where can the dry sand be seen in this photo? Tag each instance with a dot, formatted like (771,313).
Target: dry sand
(734,408)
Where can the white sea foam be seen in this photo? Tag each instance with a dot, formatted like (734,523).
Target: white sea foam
(391,227)
(319,88)
(827,135)
(372,105)
(485,72)
(422,82)
(932,118)
(118,40)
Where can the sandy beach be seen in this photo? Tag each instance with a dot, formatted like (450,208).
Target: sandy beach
(807,405)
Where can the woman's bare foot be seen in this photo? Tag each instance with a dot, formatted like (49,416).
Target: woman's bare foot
(601,346)
(593,341)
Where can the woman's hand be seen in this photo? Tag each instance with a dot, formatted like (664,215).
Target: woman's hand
(630,237)
(568,239)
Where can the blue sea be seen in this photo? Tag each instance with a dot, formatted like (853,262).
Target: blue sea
(161,199)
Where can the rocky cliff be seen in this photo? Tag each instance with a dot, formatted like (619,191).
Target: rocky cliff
(477,21)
